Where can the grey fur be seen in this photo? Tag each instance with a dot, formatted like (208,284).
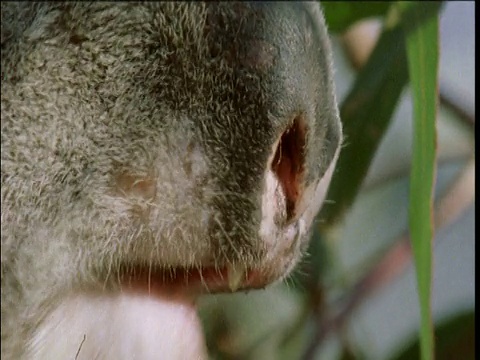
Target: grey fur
(189,96)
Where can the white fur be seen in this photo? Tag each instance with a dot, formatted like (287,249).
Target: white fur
(314,196)
(123,326)
(272,230)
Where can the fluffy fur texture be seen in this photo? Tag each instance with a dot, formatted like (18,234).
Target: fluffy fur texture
(119,326)
(143,134)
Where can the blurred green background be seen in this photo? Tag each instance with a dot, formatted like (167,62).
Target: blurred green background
(355,294)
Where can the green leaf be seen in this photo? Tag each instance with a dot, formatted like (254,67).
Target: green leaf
(454,339)
(420,22)
(340,15)
(366,114)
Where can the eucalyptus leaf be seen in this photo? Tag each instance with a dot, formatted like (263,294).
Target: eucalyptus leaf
(366,114)
(420,22)
(339,15)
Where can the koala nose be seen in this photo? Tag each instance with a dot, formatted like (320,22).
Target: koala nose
(289,163)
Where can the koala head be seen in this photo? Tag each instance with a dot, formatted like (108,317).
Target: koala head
(178,146)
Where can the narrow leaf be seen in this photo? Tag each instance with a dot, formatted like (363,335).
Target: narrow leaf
(420,22)
(366,114)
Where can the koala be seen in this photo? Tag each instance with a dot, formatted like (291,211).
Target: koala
(152,153)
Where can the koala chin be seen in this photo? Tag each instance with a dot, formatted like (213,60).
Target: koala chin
(152,153)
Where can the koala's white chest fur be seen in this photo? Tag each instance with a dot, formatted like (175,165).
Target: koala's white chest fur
(124,326)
